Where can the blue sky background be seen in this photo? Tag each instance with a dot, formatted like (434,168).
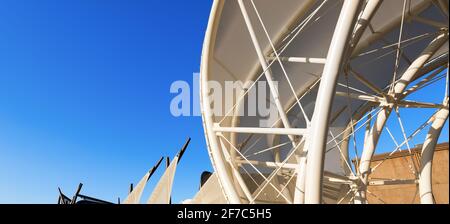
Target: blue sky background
(84,96)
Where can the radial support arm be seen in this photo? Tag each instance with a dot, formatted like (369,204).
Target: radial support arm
(217,157)
(425,184)
(443,4)
(266,68)
(364,21)
(316,154)
(375,132)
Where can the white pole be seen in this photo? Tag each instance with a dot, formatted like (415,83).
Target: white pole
(366,16)
(316,149)
(215,153)
(269,131)
(425,184)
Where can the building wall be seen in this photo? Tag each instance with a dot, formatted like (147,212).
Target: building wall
(404,166)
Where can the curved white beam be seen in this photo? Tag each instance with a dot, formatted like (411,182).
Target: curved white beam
(375,132)
(215,153)
(319,126)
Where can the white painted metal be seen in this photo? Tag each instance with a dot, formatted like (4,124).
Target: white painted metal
(274,131)
(207,114)
(238,50)
(381,119)
(389,26)
(301,60)
(316,152)
(235,169)
(363,21)
(266,69)
(268,164)
(163,190)
(425,183)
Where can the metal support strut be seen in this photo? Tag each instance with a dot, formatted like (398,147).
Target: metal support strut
(316,154)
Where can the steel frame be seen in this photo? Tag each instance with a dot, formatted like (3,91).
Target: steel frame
(310,176)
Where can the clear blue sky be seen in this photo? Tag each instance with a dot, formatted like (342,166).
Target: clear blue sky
(84,96)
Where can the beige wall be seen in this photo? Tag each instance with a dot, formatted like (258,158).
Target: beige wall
(403,166)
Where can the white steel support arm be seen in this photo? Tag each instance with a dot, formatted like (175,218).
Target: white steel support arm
(375,132)
(236,174)
(364,21)
(265,67)
(269,131)
(425,184)
(217,156)
(335,57)
(414,68)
